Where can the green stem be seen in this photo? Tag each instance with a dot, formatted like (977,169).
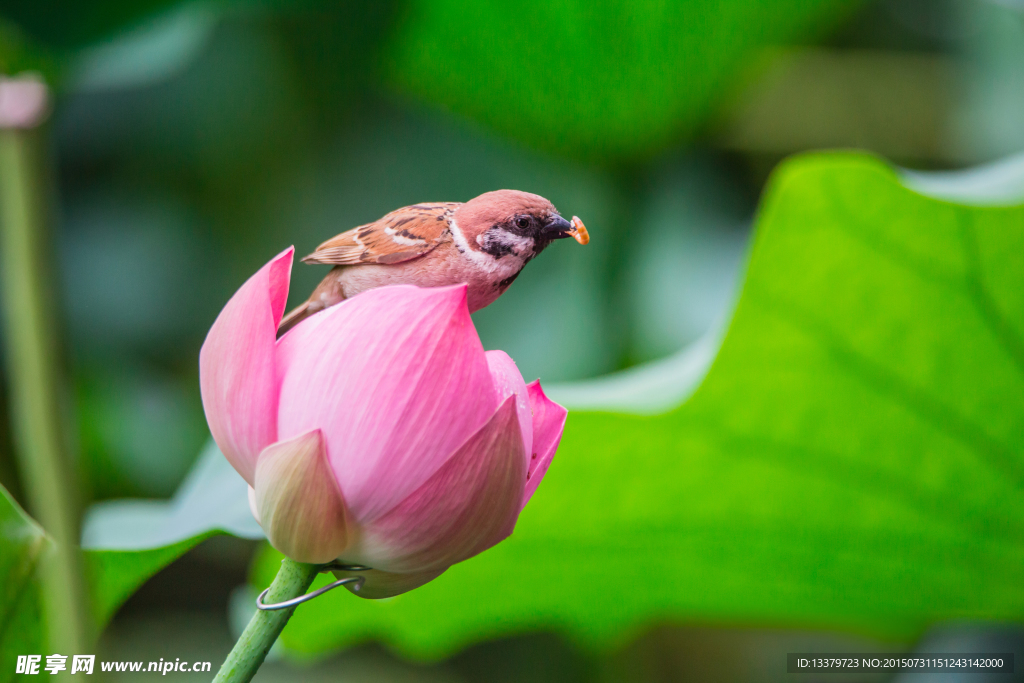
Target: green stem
(292,580)
(36,400)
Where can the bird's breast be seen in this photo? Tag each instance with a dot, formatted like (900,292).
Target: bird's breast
(487,277)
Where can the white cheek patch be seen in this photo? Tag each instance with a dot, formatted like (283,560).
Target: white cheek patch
(478,258)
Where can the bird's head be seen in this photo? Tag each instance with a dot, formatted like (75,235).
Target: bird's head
(511,222)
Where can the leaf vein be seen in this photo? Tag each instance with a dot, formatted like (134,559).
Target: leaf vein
(943,417)
(982,298)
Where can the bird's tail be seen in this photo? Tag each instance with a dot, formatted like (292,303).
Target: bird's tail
(327,294)
(297,315)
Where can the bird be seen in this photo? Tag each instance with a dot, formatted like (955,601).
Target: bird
(484,243)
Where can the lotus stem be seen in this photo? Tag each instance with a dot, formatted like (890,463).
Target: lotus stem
(292,580)
(36,397)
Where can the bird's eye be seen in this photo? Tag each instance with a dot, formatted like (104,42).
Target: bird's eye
(523,222)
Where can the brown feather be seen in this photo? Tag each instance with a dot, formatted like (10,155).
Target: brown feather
(327,293)
(401,235)
(296,316)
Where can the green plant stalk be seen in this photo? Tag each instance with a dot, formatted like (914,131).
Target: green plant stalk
(38,422)
(293,579)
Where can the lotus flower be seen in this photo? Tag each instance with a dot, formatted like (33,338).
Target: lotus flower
(377,432)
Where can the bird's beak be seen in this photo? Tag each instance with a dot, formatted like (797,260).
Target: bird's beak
(557,228)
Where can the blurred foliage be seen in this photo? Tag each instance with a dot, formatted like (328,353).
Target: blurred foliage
(681,271)
(19,53)
(113,575)
(851,460)
(871,99)
(66,24)
(140,432)
(986,121)
(195,138)
(606,80)
(127,541)
(600,81)
(23,545)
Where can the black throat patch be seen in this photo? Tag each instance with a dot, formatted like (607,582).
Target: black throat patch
(498,241)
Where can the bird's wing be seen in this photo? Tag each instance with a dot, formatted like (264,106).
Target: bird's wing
(399,236)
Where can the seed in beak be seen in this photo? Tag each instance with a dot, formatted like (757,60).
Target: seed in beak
(579,231)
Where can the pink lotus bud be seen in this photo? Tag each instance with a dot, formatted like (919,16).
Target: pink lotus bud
(377,432)
(24,101)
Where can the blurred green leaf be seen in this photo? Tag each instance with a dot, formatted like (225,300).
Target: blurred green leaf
(140,431)
(127,541)
(153,52)
(606,79)
(19,54)
(114,575)
(851,460)
(75,24)
(22,545)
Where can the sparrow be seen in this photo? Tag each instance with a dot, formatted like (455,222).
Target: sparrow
(484,243)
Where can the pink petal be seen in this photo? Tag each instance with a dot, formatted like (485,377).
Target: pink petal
(469,504)
(237,375)
(548,423)
(509,381)
(397,380)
